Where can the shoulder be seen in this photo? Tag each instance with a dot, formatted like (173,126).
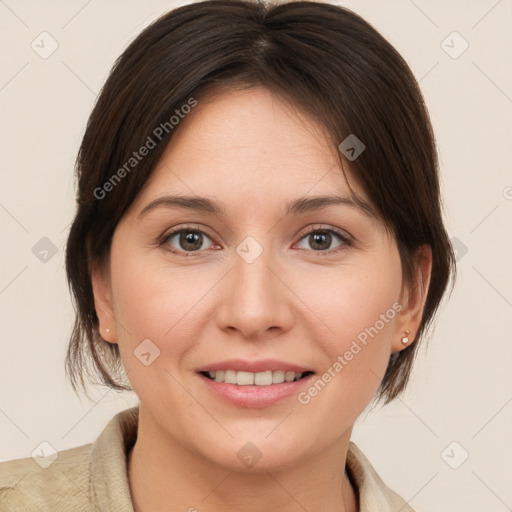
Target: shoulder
(373,493)
(91,477)
(52,483)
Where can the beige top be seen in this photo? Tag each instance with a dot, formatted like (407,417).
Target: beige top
(94,477)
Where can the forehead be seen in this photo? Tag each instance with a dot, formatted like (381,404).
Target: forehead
(248,144)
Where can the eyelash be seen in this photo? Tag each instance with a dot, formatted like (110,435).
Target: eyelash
(344,238)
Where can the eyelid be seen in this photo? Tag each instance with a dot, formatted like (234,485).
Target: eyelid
(326,228)
(169,233)
(346,239)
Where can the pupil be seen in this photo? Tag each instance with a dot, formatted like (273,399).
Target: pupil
(191,240)
(319,237)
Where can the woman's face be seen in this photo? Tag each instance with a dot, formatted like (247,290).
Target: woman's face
(268,276)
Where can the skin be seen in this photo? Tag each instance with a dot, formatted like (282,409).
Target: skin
(295,303)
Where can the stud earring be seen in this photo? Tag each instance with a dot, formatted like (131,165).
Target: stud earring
(107,330)
(405,339)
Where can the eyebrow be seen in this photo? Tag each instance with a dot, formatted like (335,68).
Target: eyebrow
(301,205)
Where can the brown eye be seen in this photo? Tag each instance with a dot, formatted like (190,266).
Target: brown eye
(321,240)
(186,240)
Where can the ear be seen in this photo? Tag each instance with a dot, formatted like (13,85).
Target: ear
(413,300)
(102,291)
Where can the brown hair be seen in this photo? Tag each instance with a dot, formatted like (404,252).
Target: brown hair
(321,58)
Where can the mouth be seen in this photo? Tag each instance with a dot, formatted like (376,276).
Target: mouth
(253,384)
(265,378)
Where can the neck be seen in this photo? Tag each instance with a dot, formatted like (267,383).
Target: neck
(164,475)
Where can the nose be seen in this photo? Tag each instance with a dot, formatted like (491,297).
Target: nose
(256,301)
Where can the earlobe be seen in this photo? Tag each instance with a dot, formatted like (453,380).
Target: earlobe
(409,320)
(103,304)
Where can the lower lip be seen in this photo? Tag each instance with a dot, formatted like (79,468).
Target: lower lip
(255,397)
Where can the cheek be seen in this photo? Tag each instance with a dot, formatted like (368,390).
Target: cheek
(359,306)
(150,304)
(354,298)
(153,301)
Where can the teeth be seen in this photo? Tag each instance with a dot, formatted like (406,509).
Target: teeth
(254,379)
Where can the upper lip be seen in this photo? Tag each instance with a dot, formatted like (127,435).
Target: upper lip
(241,365)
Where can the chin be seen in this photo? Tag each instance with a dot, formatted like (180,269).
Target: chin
(255,454)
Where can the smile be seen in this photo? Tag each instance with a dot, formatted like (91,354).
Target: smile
(265,378)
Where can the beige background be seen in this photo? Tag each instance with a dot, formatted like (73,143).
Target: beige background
(461,390)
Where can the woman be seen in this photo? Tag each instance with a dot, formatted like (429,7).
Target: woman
(259,248)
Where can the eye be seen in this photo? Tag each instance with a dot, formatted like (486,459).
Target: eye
(320,240)
(186,240)
(189,240)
